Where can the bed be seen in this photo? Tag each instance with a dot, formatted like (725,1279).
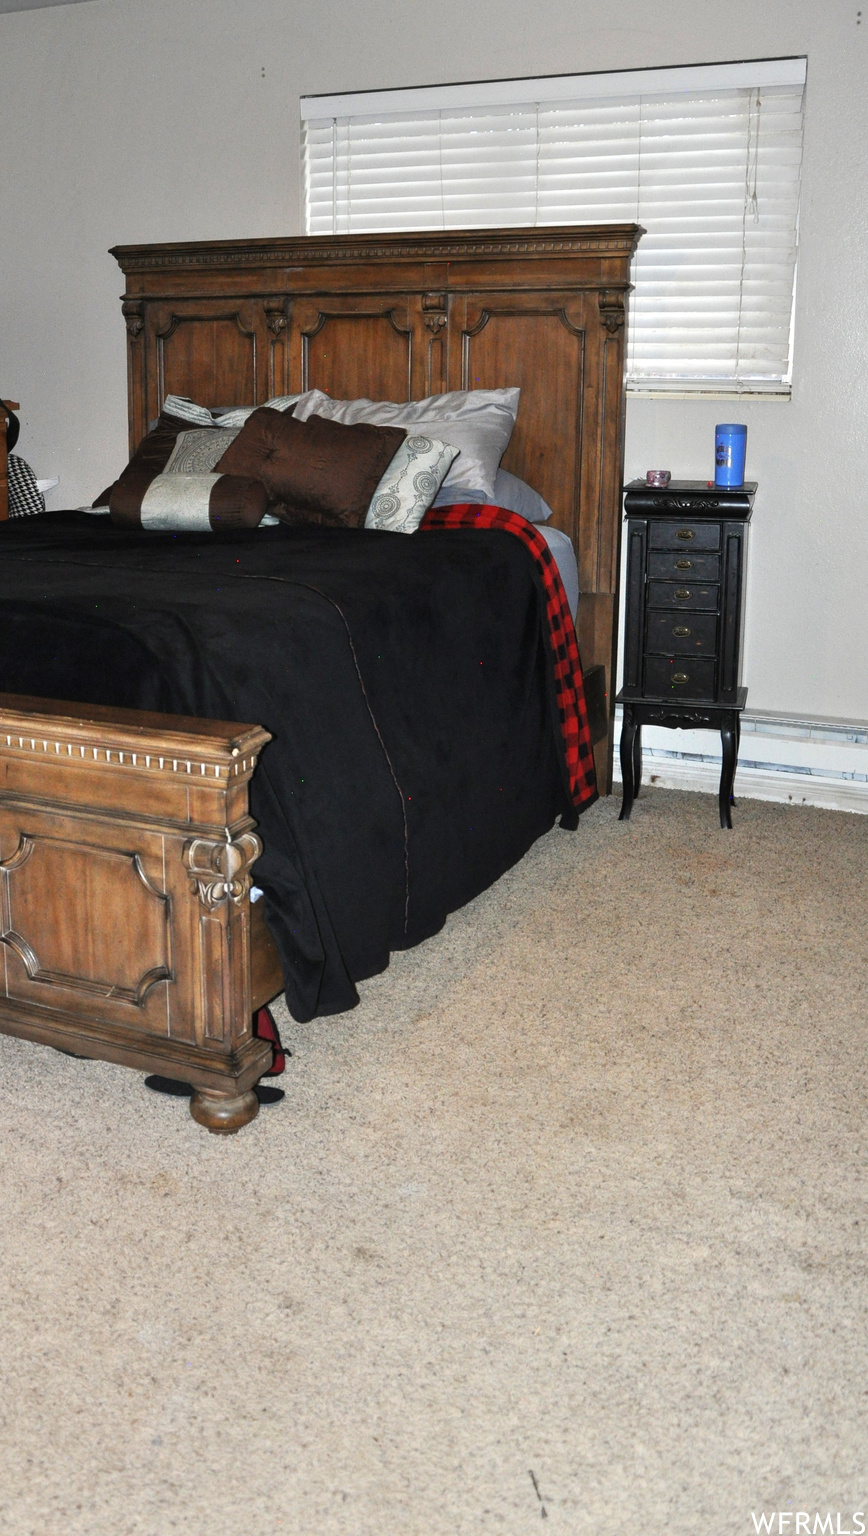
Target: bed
(127,844)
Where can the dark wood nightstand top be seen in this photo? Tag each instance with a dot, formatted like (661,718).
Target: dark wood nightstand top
(697,497)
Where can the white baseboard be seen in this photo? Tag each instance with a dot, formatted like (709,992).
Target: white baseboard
(783,758)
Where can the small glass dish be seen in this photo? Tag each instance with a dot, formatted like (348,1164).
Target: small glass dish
(658,477)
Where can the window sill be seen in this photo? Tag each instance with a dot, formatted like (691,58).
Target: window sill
(780,395)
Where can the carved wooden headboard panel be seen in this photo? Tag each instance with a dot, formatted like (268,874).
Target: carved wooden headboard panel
(399,317)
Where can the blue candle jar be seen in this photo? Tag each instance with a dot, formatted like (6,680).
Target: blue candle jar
(730,442)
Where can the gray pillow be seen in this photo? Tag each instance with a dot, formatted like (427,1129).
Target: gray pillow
(478,422)
(517,496)
(510,492)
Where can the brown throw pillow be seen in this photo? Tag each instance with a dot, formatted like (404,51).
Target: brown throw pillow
(149,460)
(191,503)
(315,471)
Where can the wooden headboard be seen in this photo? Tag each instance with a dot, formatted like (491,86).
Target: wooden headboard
(396,317)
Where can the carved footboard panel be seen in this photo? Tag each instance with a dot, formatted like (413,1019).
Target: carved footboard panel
(125,916)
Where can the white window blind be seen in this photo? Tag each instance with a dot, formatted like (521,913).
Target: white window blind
(707,159)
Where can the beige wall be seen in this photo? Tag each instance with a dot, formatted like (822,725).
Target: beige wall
(126,120)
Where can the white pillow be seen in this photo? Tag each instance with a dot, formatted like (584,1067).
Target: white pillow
(200,416)
(238,416)
(188,410)
(478,422)
(410,484)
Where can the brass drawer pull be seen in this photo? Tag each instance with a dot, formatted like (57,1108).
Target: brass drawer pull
(685,533)
(683,565)
(681,631)
(680,677)
(683,593)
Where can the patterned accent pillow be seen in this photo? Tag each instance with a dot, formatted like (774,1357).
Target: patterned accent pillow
(25,497)
(410,484)
(197,452)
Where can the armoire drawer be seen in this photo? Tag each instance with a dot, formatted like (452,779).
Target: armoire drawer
(686,535)
(682,634)
(673,594)
(682,565)
(665,675)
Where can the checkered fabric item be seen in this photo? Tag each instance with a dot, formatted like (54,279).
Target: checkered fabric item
(25,497)
(569,688)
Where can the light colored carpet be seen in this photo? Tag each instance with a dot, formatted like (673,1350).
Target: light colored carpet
(568,1216)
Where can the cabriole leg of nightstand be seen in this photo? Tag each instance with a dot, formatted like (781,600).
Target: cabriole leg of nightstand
(729,733)
(631,761)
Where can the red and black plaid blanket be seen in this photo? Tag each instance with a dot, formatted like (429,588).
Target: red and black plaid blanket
(569,688)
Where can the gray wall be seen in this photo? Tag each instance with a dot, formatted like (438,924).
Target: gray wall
(178,119)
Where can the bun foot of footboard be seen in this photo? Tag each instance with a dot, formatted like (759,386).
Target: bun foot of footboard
(222,1113)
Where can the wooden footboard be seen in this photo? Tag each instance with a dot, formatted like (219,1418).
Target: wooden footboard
(125,918)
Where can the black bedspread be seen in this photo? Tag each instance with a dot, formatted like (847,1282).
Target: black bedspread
(405,681)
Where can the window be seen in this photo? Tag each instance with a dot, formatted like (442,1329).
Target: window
(707,159)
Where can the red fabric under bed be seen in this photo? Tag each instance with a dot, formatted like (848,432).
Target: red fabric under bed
(265,1028)
(570,692)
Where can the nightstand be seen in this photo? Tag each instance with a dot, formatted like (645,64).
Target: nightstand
(684,622)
